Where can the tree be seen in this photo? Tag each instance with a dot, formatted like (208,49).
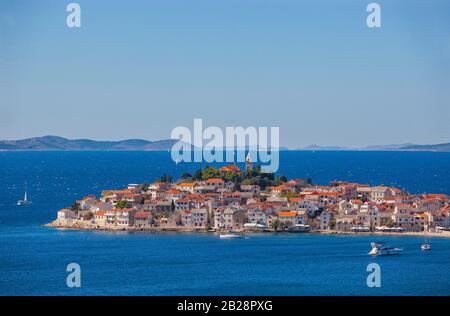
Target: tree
(285,225)
(121,204)
(282,179)
(390,222)
(186,176)
(197,174)
(75,207)
(88,216)
(275,224)
(165,178)
(290,195)
(210,172)
(229,176)
(332,223)
(145,187)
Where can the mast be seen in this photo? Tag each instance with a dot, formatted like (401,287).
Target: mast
(25,195)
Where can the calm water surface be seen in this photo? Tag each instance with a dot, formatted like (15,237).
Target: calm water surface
(33,259)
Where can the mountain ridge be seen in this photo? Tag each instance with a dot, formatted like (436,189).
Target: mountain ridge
(54,143)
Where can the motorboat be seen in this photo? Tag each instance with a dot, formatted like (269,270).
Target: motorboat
(425,246)
(380,249)
(230,236)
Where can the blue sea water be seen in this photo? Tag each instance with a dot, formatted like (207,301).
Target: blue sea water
(33,259)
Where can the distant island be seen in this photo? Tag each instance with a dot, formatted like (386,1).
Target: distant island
(54,143)
(49,143)
(445,147)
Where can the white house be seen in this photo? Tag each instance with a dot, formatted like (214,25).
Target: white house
(65,214)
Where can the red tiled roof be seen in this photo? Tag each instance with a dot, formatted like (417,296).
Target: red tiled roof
(142,215)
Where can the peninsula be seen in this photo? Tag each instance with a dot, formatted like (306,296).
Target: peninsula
(231,199)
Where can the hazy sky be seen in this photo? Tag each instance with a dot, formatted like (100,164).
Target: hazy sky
(137,69)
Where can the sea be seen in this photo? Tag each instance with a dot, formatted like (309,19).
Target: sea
(34,259)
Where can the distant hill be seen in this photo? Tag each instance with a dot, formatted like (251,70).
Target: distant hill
(60,143)
(393,147)
(437,147)
(47,143)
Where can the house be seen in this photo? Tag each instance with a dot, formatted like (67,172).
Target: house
(253,189)
(110,217)
(186,218)
(230,168)
(301,218)
(163,206)
(86,202)
(174,194)
(100,218)
(142,219)
(257,216)
(287,217)
(125,217)
(380,193)
(345,222)
(279,200)
(183,204)
(186,187)
(101,206)
(229,218)
(363,191)
(279,190)
(157,188)
(368,215)
(429,204)
(325,218)
(214,184)
(199,217)
(65,215)
(405,221)
(311,206)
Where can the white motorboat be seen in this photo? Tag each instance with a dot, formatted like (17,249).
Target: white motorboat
(230,236)
(380,249)
(425,246)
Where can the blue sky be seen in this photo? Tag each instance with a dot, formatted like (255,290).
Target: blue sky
(137,69)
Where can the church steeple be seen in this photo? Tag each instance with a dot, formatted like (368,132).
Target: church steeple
(249,162)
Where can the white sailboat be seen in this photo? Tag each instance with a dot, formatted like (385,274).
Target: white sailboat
(25,200)
(426,245)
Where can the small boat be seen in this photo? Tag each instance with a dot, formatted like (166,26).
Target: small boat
(299,228)
(426,246)
(25,200)
(379,249)
(230,236)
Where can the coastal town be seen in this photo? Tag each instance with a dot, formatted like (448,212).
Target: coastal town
(234,200)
